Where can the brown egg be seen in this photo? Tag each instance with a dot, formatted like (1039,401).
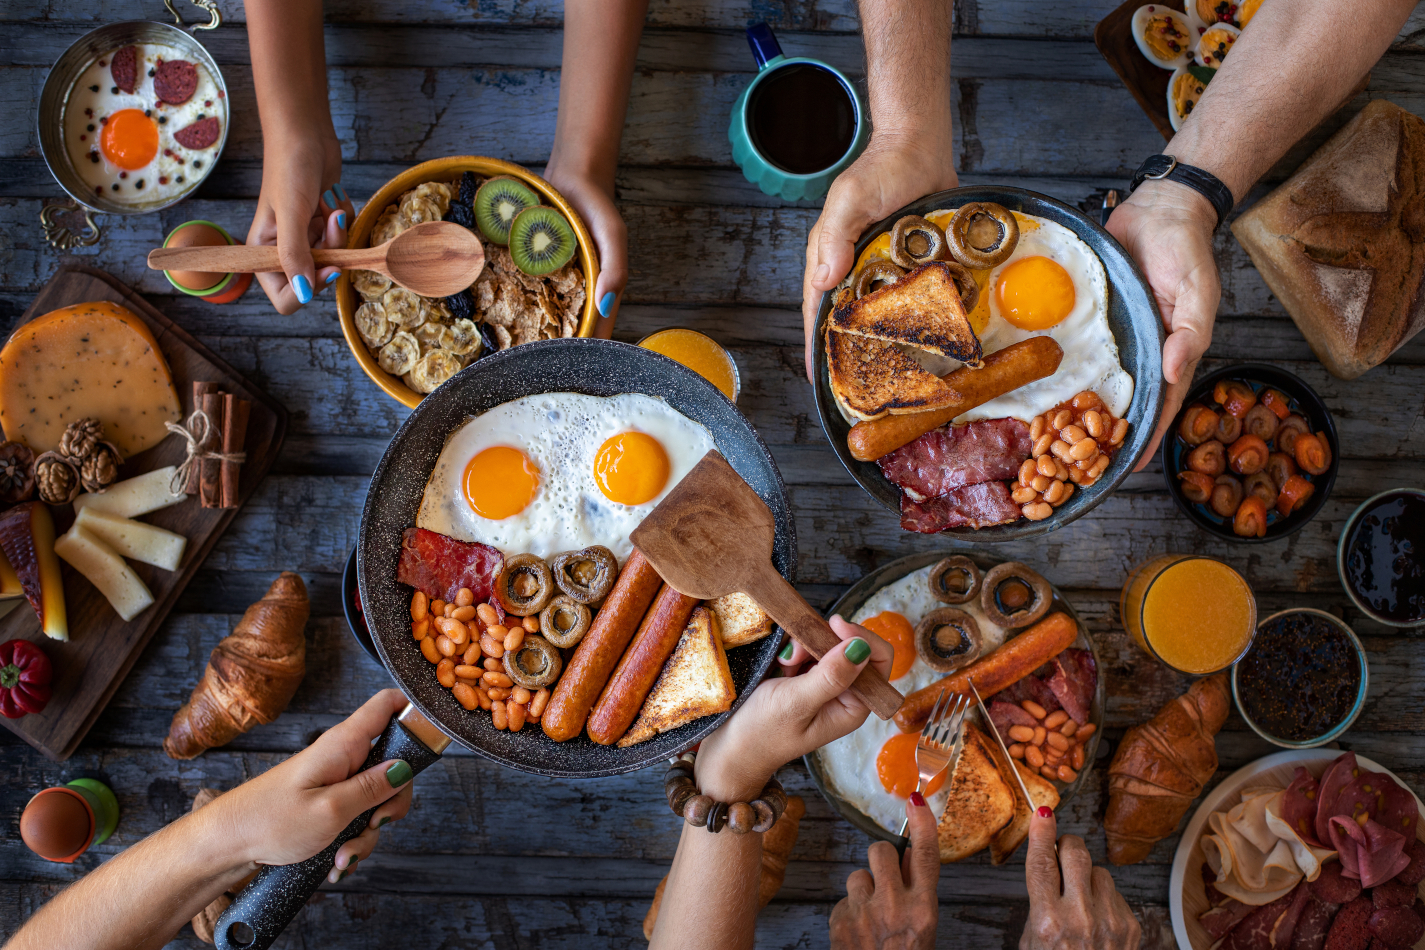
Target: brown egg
(197,234)
(56,823)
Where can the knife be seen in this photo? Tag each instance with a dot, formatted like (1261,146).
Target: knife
(985,714)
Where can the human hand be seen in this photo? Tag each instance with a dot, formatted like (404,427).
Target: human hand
(786,717)
(595,205)
(893,906)
(1085,912)
(891,173)
(302,206)
(1167,228)
(297,808)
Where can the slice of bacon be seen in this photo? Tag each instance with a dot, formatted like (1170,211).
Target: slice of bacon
(978,506)
(952,457)
(438,566)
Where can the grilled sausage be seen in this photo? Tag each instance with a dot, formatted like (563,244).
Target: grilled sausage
(623,697)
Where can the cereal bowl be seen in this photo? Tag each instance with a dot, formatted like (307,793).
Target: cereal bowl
(445,170)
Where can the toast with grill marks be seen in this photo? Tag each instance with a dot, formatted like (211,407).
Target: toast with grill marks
(922,310)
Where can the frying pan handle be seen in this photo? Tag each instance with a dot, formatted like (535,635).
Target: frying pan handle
(266,906)
(794,615)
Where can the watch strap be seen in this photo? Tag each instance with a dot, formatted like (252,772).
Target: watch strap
(1165,167)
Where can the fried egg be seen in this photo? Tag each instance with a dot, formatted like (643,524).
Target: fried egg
(873,768)
(124,145)
(560,471)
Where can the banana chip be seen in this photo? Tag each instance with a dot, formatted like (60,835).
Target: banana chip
(434,311)
(369,284)
(433,369)
(430,335)
(463,338)
(437,192)
(416,211)
(403,308)
(372,324)
(399,356)
(387,226)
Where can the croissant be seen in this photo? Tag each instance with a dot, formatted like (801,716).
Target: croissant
(251,675)
(777,845)
(1160,767)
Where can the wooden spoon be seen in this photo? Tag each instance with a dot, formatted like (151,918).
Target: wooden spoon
(433,259)
(712,536)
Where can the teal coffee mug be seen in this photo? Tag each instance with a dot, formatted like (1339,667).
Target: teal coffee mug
(797,124)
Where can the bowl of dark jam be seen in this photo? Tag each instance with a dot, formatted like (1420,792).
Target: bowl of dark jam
(1381,557)
(1304,680)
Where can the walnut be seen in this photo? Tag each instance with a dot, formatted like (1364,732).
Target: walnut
(80,437)
(57,479)
(100,467)
(17,473)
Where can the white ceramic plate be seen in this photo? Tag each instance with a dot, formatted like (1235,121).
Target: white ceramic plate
(1186,896)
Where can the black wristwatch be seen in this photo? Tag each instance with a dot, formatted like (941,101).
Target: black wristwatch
(1159,167)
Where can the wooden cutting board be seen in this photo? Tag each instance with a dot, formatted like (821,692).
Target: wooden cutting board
(102,647)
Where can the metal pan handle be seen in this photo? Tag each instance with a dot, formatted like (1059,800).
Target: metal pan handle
(265,907)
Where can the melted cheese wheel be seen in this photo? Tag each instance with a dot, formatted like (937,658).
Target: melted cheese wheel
(92,360)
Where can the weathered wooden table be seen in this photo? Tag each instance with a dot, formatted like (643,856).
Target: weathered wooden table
(495,858)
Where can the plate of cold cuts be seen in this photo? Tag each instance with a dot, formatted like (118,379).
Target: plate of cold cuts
(1302,850)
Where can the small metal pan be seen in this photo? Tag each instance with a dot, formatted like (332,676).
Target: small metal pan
(434,718)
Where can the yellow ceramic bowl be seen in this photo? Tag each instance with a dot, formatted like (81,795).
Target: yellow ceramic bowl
(446,169)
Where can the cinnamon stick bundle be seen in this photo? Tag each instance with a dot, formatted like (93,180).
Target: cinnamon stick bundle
(216,480)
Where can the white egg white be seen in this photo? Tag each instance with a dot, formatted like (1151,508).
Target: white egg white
(561,433)
(94,91)
(849,763)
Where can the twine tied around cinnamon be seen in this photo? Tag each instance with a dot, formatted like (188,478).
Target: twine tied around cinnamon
(198,431)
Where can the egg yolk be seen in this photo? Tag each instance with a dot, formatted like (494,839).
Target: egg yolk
(129,139)
(631,468)
(500,482)
(895,765)
(1035,293)
(897,631)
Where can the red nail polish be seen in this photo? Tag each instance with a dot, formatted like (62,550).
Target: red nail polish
(1045,811)
(917,799)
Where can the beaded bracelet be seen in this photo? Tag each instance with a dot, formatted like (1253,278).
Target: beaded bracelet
(700,810)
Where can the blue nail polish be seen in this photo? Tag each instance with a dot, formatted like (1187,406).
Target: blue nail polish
(332,279)
(302,288)
(340,193)
(329,198)
(341,219)
(606,304)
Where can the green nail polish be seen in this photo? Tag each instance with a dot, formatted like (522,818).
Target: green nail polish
(385,820)
(787,651)
(400,773)
(857,650)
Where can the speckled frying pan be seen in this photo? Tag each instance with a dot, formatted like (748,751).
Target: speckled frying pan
(593,367)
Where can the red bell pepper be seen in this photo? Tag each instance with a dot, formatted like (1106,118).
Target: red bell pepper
(25,674)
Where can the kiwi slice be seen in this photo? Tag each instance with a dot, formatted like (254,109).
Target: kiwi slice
(541,241)
(497,202)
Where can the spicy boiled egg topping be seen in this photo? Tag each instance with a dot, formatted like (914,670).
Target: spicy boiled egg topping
(560,471)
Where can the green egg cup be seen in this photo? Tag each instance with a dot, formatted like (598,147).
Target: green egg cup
(221,285)
(102,802)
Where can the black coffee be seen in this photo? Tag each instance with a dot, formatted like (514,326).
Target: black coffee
(801,118)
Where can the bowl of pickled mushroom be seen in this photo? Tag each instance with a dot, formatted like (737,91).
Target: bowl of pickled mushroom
(1253,453)
(541,266)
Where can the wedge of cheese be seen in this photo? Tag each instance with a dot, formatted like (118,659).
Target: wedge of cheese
(134,496)
(103,568)
(92,360)
(134,539)
(9,581)
(28,542)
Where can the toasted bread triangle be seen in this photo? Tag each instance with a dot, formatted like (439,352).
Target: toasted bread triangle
(695,682)
(922,310)
(871,378)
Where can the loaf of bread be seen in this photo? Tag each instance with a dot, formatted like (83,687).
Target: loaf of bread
(1342,242)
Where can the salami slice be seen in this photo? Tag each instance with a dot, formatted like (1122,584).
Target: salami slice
(201,134)
(124,67)
(175,81)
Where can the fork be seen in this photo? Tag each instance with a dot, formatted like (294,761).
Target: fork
(940,741)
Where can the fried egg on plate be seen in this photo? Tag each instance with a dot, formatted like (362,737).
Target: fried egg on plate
(560,471)
(863,767)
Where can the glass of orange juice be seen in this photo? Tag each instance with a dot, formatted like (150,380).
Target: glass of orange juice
(701,354)
(1192,613)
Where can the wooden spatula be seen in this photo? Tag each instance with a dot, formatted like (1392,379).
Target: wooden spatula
(432,259)
(712,536)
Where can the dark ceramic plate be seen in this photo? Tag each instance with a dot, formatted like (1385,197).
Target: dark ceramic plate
(1132,316)
(888,574)
(592,367)
(1259,376)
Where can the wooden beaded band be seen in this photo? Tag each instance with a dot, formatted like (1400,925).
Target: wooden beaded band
(700,810)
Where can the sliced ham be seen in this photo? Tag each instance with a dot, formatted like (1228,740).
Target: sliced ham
(953,457)
(1337,776)
(1313,925)
(1298,807)
(977,506)
(1371,853)
(438,566)
(1073,682)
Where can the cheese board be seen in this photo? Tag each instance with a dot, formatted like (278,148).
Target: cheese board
(102,647)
